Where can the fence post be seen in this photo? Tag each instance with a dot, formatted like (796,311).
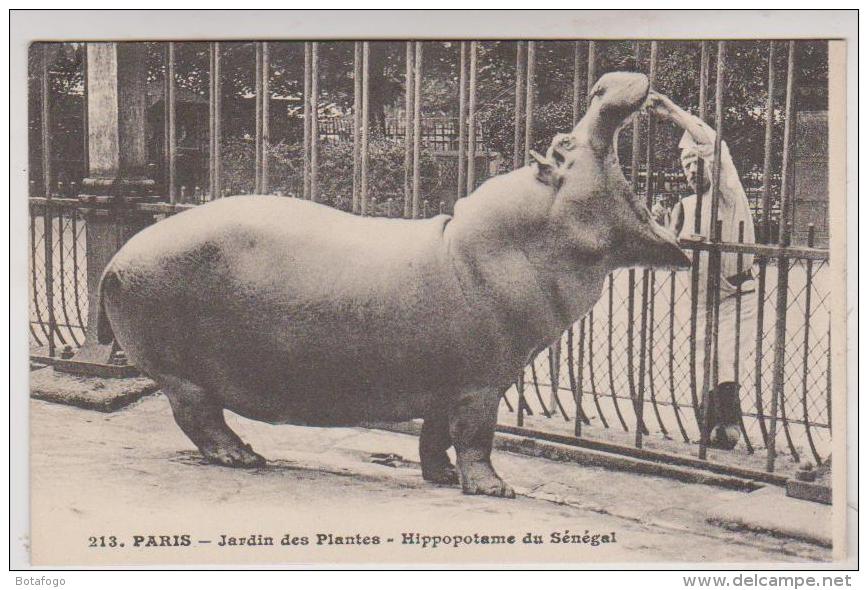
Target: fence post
(48,215)
(116,82)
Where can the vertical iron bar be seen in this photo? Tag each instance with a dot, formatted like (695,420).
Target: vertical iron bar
(631,274)
(306,145)
(809,264)
(578,63)
(675,407)
(767,148)
(737,365)
(408,130)
(703,101)
(48,219)
(783,266)
(62,266)
(266,131)
(75,267)
(172,148)
(218,122)
(35,283)
(84,117)
(536,390)
(592,69)
(257,167)
(366,93)
(462,119)
(709,373)
(314,121)
(357,123)
(580,384)
(471,123)
(780,345)
(520,73)
(529,101)
(789,134)
(758,345)
(591,375)
(211,118)
(610,353)
(417,126)
(644,326)
(829,373)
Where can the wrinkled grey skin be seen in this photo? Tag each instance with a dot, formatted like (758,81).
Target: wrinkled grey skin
(290,312)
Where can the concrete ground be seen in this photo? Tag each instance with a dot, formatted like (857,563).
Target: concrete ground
(132,473)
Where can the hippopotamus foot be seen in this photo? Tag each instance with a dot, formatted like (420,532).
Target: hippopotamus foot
(443,475)
(433,443)
(480,479)
(201,419)
(471,425)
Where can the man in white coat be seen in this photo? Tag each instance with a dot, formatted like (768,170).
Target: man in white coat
(697,153)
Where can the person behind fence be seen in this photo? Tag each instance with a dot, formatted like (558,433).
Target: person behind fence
(697,158)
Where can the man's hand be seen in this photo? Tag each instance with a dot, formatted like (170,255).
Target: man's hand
(660,105)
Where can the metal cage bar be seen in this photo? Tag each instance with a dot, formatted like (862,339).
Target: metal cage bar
(257,143)
(462,120)
(265,112)
(520,81)
(314,121)
(365,130)
(171,124)
(417,125)
(783,267)
(709,373)
(306,147)
(471,121)
(357,123)
(48,215)
(214,121)
(529,101)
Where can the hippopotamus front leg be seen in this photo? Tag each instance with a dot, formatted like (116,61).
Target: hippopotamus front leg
(433,444)
(471,425)
(201,419)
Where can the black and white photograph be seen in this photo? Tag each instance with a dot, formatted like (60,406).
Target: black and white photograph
(442,300)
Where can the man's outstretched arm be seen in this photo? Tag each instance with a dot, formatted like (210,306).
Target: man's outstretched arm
(703,137)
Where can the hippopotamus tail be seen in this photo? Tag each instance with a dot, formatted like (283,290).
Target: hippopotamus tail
(104,333)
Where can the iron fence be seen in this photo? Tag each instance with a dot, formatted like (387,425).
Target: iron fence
(631,373)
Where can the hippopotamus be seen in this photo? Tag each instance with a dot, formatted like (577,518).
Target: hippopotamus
(287,311)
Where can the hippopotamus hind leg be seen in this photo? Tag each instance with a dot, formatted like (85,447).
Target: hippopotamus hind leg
(471,424)
(201,419)
(433,444)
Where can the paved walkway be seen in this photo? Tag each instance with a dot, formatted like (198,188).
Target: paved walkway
(133,473)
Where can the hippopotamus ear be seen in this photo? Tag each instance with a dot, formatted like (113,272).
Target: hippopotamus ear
(547,169)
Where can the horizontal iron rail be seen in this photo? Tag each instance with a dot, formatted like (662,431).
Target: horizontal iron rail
(648,455)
